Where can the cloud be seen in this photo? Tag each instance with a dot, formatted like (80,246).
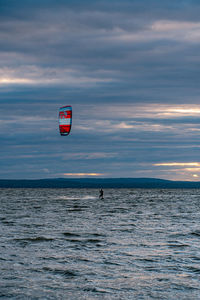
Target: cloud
(66,47)
(83,174)
(165,25)
(196,164)
(177,30)
(182,170)
(130,72)
(32,75)
(88,156)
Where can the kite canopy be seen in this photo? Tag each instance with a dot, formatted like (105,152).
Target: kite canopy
(65,119)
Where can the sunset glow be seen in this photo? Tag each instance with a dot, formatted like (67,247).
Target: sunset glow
(195,164)
(7,80)
(195,175)
(82,174)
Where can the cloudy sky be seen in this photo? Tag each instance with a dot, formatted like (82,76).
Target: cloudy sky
(130,70)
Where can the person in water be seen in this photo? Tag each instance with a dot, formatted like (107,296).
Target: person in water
(101,194)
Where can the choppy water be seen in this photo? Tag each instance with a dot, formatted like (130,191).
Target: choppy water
(68,244)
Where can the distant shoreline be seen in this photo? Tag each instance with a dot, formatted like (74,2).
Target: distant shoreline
(144,183)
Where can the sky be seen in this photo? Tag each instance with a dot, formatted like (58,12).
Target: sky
(130,70)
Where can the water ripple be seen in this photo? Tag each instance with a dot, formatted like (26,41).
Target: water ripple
(66,244)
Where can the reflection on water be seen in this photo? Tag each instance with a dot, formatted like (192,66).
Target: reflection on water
(68,244)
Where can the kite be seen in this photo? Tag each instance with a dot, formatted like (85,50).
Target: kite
(65,119)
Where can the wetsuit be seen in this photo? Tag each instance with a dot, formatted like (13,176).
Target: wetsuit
(101,194)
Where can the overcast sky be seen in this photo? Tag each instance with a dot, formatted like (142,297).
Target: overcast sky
(130,70)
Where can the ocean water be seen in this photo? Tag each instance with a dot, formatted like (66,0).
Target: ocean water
(68,244)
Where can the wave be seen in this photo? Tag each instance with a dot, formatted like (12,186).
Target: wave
(66,273)
(176,245)
(34,239)
(196,233)
(69,234)
(89,236)
(95,290)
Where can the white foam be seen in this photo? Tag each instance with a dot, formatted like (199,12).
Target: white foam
(87,197)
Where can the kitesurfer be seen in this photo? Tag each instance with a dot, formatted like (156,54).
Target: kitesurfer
(101,194)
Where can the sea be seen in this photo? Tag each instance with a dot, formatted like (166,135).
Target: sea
(69,244)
